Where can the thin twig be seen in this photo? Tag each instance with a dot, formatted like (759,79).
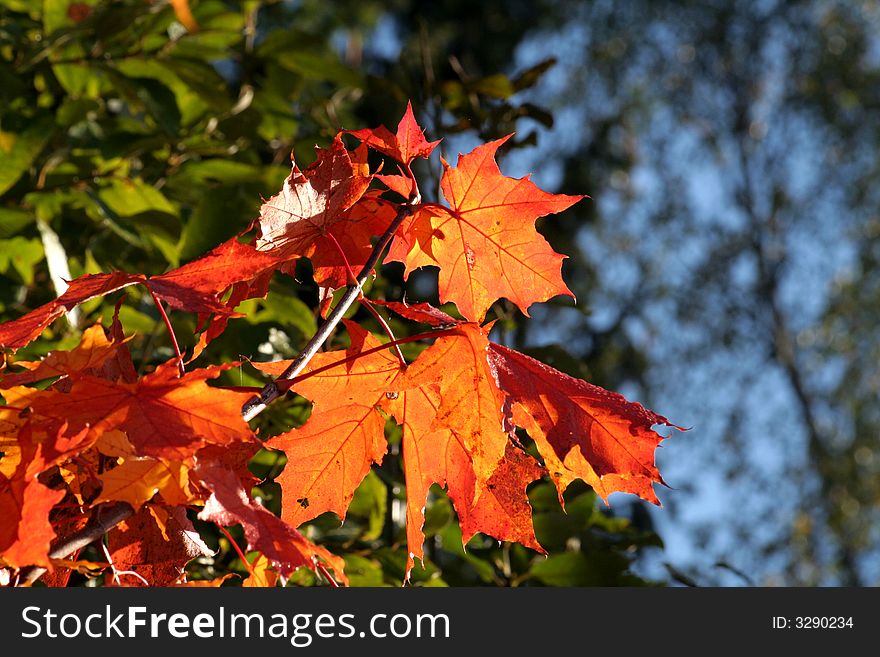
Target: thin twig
(271,391)
(105,519)
(116,573)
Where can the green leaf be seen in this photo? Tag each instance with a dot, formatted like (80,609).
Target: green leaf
(21,255)
(188,98)
(370,504)
(529,78)
(363,572)
(18,5)
(394,565)
(207,225)
(72,111)
(166,245)
(203,80)
(80,79)
(56,13)
(13,220)
(18,151)
(438,513)
(160,102)
(132,196)
(579,569)
(450,539)
(318,66)
(496,86)
(220,29)
(286,310)
(218,171)
(148,95)
(132,319)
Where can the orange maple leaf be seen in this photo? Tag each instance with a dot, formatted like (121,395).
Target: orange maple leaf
(137,479)
(485,243)
(261,574)
(93,350)
(432,454)
(470,402)
(26,533)
(450,412)
(333,451)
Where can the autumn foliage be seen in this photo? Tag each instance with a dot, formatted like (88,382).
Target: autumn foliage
(85,436)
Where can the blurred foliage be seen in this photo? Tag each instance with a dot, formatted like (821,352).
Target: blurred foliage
(732,259)
(129,142)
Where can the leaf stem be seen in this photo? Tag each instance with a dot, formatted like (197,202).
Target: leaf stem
(116,573)
(326,573)
(287,384)
(352,278)
(180,368)
(416,195)
(271,391)
(375,313)
(236,547)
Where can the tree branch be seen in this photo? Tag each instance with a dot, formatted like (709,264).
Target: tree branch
(785,351)
(271,391)
(106,517)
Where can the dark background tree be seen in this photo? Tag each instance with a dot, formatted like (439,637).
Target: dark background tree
(735,249)
(727,262)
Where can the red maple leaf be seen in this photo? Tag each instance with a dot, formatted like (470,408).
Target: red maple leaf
(21,331)
(162,414)
(317,215)
(450,411)
(420,312)
(198,285)
(156,543)
(582,431)
(407,144)
(194,287)
(229,504)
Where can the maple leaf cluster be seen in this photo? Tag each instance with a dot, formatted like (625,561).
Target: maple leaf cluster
(82,432)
